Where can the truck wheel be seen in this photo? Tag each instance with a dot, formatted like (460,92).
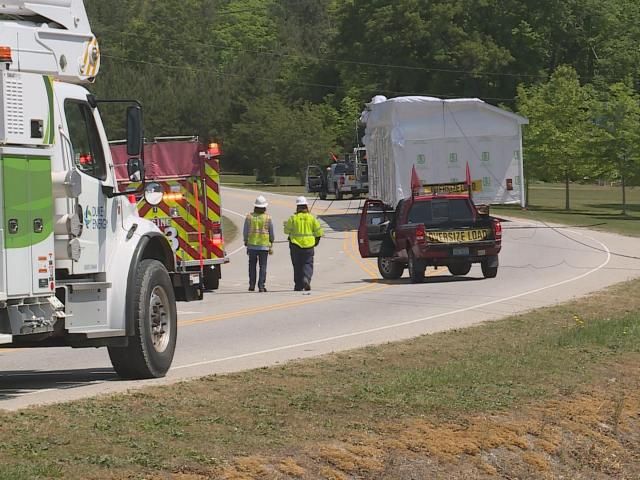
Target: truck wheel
(460,268)
(338,192)
(211,278)
(390,270)
(150,350)
(490,267)
(416,268)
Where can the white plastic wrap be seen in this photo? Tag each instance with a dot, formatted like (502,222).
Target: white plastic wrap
(439,137)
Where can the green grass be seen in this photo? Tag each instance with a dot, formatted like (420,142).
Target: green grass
(284,185)
(597,207)
(488,368)
(229,229)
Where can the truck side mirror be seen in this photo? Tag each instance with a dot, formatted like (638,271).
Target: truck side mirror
(134,131)
(483,209)
(135,170)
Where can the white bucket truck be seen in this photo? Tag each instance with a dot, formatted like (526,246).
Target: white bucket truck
(78,266)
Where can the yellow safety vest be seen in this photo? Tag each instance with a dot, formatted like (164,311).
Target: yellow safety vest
(303,228)
(258,229)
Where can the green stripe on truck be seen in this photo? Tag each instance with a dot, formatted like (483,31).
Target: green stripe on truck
(28,196)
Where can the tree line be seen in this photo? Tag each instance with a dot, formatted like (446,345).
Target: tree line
(281,83)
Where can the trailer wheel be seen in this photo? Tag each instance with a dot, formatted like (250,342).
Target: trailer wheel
(461,268)
(150,350)
(490,267)
(338,192)
(390,270)
(416,268)
(211,278)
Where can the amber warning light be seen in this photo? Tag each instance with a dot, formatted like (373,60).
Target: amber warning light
(5,55)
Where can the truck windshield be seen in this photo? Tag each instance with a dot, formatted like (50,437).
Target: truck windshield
(440,211)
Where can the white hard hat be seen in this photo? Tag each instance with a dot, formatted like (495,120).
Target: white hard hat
(260,202)
(301,201)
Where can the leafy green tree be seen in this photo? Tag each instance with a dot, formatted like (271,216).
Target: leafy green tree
(618,139)
(272,136)
(560,127)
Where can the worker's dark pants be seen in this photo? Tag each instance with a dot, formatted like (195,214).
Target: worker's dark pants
(302,260)
(255,257)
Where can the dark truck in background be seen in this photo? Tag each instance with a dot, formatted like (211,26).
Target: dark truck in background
(442,228)
(343,177)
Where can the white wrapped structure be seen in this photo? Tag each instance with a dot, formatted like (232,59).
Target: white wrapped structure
(439,137)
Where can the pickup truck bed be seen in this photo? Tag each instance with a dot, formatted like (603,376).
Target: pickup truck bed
(430,230)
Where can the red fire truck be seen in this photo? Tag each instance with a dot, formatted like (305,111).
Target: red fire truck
(186,200)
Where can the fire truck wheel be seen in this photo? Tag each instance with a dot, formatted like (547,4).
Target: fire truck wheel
(461,268)
(338,192)
(390,270)
(150,350)
(211,278)
(490,267)
(416,268)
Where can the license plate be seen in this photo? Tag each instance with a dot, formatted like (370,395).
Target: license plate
(461,250)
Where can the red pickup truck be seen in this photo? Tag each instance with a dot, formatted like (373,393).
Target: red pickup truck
(438,226)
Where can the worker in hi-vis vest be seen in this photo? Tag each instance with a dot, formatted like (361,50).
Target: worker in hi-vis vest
(258,238)
(304,232)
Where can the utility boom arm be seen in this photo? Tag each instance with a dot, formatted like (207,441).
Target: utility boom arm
(50,37)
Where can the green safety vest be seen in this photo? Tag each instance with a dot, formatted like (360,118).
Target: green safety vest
(258,230)
(302,229)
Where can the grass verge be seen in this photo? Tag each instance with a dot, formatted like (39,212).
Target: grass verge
(593,206)
(379,412)
(230,229)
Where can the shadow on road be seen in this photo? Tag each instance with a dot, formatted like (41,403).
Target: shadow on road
(407,281)
(346,222)
(16,383)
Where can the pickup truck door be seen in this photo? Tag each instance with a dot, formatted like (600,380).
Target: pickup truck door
(373,228)
(315,180)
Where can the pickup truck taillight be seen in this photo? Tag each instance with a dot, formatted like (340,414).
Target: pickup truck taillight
(420,236)
(497,229)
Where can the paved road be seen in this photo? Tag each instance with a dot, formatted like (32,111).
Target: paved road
(233,329)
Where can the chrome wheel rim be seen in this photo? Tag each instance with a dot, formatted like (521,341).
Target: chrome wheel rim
(159,316)
(386,265)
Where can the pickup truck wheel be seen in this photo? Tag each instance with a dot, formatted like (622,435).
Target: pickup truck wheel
(416,268)
(390,270)
(460,268)
(490,267)
(150,350)
(338,192)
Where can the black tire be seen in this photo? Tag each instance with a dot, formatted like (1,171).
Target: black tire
(211,278)
(487,271)
(323,194)
(390,270)
(461,268)
(338,193)
(416,268)
(150,350)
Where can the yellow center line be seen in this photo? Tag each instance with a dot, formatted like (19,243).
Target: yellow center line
(305,301)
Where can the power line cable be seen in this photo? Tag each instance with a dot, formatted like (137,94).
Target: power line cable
(363,63)
(267,79)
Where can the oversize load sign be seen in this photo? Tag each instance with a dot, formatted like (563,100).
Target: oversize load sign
(458,236)
(446,188)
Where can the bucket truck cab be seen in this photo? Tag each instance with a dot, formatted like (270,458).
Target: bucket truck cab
(78,266)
